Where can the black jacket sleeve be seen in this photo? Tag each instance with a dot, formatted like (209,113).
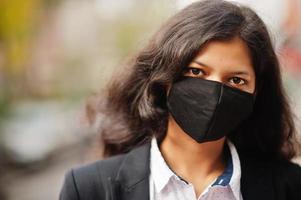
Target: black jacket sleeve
(83,183)
(69,190)
(91,182)
(293,181)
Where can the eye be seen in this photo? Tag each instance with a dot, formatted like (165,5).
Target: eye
(191,71)
(237,81)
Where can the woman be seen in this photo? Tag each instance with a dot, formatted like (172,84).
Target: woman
(201,114)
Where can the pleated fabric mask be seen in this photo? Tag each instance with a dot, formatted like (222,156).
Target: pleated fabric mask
(208,110)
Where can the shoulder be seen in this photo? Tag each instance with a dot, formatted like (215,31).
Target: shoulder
(283,169)
(286,176)
(99,179)
(107,166)
(290,172)
(272,178)
(89,181)
(99,170)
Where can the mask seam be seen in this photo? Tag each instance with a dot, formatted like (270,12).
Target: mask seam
(212,122)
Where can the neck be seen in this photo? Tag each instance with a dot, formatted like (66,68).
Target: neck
(190,159)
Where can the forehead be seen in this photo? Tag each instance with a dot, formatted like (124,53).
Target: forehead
(233,54)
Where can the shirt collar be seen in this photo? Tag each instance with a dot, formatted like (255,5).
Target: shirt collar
(225,178)
(236,176)
(161,173)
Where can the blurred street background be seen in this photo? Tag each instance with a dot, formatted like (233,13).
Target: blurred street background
(55,54)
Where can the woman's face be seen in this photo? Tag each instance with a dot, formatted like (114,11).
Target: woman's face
(228,62)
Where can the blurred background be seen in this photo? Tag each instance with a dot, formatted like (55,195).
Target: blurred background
(55,54)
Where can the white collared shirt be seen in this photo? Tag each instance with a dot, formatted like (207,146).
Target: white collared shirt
(166,185)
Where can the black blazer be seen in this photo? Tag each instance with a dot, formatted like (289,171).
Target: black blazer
(126,177)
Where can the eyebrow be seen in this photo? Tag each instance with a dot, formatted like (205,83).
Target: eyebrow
(236,72)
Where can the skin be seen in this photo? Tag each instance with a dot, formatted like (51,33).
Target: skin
(200,164)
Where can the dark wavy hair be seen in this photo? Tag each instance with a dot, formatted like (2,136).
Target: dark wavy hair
(134,107)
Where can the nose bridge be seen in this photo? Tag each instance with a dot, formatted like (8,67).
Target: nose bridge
(215,77)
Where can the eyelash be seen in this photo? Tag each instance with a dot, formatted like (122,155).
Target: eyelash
(231,80)
(189,69)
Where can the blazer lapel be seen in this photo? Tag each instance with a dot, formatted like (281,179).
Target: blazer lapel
(132,179)
(256,180)
(133,175)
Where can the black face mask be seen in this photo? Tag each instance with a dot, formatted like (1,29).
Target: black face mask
(208,110)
